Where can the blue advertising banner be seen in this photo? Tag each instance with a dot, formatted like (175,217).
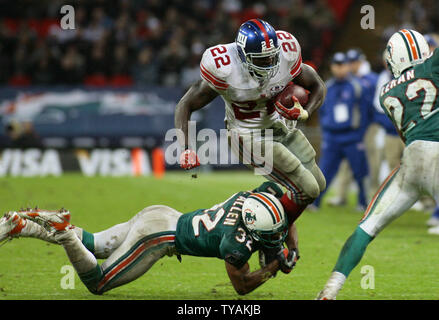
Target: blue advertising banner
(64,117)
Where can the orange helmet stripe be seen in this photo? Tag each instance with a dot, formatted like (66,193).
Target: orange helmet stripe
(268,202)
(412,44)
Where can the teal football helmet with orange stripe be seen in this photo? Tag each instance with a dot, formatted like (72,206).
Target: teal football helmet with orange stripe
(405,49)
(264,217)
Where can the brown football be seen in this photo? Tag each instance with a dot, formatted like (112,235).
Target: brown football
(284,97)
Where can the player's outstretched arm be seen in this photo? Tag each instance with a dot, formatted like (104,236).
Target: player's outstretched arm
(198,96)
(310,80)
(292,240)
(245,281)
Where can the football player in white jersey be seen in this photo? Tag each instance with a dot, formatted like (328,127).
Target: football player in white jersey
(248,74)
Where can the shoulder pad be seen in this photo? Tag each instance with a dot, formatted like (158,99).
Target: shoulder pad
(290,51)
(216,66)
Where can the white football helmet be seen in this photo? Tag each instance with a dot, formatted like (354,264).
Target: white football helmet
(405,49)
(265,219)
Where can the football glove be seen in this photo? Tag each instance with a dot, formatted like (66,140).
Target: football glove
(189,159)
(287,259)
(295,113)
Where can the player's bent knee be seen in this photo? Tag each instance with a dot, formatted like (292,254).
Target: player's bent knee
(305,179)
(300,146)
(319,176)
(283,159)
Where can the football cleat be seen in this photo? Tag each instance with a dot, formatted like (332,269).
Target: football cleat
(433,222)
(332,287)
(325,296)
(11,225)
(52,221)
(434,230)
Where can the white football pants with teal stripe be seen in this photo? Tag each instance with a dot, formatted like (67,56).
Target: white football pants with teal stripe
(417,175)
(137,245)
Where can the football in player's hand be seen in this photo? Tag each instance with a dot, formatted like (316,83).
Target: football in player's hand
(284,97)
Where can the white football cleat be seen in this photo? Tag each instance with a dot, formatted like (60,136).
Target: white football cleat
(52,221)
(324,295)
(11,225)
(336,201)
(434,230)
(332,287)
(433,222)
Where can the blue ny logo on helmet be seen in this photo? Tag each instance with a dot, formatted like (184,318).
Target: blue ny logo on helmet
(258,48)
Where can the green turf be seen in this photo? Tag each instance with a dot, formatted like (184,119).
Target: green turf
(404,256)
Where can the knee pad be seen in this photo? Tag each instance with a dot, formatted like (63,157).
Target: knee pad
(318,175)
(298,144)
(284,159)
(306,181)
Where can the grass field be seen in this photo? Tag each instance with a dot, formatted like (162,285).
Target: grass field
(404,256)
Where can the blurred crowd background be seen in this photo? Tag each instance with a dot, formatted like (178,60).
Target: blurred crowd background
(124,42)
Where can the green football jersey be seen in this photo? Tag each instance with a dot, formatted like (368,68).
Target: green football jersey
(412,101)
(219,231)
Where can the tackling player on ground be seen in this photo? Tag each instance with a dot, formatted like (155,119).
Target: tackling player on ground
(248,74)
(411,101)
(232,230)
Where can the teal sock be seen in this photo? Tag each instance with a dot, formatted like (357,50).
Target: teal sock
(352,252)
(91,279)
(88,241)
